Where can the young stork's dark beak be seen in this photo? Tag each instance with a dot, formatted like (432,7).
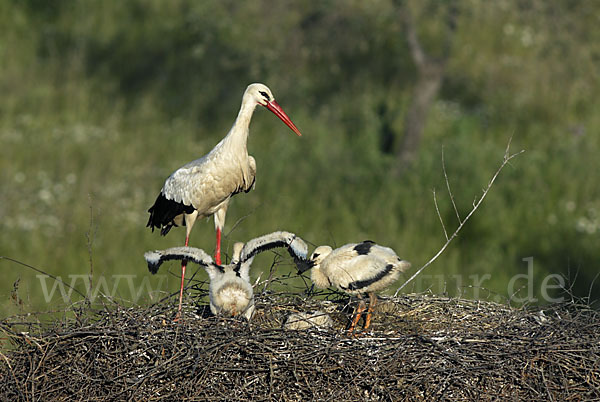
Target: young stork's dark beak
(304,265)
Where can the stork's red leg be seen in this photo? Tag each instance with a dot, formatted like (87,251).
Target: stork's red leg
(372,303)
(218,249)
(183,266)
(357,313)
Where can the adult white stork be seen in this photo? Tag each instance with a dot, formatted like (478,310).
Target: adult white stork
(230,291)
(356,268)
(203,187)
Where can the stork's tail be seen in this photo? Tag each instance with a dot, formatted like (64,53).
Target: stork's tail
(163,213)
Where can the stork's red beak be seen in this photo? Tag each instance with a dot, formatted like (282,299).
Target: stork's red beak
(278,111)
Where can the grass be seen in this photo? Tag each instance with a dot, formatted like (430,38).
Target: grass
(85,151)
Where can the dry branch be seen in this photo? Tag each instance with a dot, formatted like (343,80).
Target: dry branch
(507,158)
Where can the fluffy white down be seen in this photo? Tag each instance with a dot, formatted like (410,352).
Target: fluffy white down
(231,296)
(152,257)
(355,273)
(299,321)
(317,276)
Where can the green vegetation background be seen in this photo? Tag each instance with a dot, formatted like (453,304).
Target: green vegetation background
(101,100)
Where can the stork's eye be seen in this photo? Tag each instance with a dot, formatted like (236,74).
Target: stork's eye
(266,95)
(315,255)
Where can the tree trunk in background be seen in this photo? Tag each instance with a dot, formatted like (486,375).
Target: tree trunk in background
(424,93)
(430,73)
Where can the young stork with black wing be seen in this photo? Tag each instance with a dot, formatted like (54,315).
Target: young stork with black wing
(204,187)
(356,269)
(230,291)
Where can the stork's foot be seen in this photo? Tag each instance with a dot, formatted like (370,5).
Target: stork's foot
(357,314)
(372,304)
(178,317)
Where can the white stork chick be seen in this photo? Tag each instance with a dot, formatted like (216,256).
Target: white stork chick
(357,269)
(230,291)
(204,187)
(300,321)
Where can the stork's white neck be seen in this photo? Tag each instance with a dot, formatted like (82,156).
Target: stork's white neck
(238,134)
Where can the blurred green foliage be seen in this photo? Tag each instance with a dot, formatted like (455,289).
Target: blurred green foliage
(102,100)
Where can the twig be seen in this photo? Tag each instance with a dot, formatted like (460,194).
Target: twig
(42,272)
(448,187)
(506,160)
(589,298)
(271,273)
(439,215)
(240,220)
(90,239)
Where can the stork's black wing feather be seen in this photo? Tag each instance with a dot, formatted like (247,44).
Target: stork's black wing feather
(164,211)
(295,246)
(156,258)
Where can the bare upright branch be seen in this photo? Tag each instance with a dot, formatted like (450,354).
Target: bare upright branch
(437,209)
(507,158)
(448,187)
(90,240)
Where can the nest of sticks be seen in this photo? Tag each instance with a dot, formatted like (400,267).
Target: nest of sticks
(420,347)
